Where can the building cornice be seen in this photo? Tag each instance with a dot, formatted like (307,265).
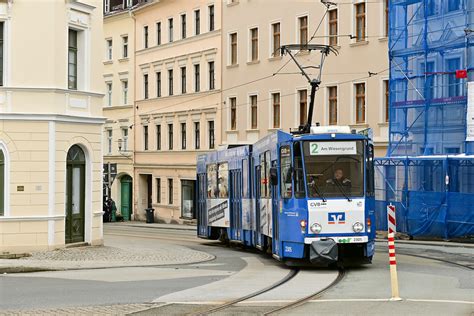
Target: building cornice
(53,90)
(61,118)
(31,218)
(180,42)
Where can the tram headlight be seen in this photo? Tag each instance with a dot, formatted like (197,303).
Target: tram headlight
(358,227)
(316,228)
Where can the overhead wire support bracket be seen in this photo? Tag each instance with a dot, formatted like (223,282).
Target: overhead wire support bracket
(325,50)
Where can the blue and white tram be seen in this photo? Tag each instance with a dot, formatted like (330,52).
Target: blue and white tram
(305,198)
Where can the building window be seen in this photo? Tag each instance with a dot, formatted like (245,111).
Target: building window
(109,94)
(158,84)
(124,139)
(197,135)
(360,22)
(333,27)
(2,183)
(128,3)
(386,91)
(125,47)
(145,137)
(158,33)
(145,36)
(170,136)
(332,92)
(303,25)
(197,78)
(183,135)
(211,135)
(170,191)
(158,190)
(170,30)
(254,44)
(183,80)
(454,84)
(212,79)
(109,141)
(211,18)
(197,22)
(183,26)
(1,54)
(386,15)
(170,82)
(107,6)
(276,38)
(233,49)
(72,59)
(125,92)
(253,112)
(233,113)
(145,86)
(276,109)
(158,137)
(109,49)
(303,100)
(360,102)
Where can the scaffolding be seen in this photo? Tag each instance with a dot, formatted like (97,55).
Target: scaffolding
(428,172)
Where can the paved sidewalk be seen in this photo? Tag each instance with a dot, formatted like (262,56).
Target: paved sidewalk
(155,225)
(103,257)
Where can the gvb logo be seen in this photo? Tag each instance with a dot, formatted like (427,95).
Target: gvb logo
(337,218)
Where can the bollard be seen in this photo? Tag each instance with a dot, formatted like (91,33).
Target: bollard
(391,219)
(393,267)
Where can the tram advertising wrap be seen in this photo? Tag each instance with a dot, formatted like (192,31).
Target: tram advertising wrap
(218,212)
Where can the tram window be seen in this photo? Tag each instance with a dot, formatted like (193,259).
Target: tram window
(370,170)
(212,189)
(334,169)
(245,178)
(286,174)
(298,173)
(267,173)
(223,174)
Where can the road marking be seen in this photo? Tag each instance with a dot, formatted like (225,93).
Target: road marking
(441,301)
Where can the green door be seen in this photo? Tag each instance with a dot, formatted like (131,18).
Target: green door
(75,195)
(126,197)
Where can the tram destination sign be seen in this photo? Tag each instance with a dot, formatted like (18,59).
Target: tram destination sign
(332,148)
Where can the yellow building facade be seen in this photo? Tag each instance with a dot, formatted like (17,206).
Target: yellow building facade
(50,124)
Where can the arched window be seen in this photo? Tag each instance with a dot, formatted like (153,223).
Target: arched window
(2,183)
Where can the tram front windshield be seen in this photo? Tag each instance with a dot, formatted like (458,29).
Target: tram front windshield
(334,169)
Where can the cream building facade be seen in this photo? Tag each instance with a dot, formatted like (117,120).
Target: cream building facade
(50,124)
(354,88)
(118,103)
(178,67)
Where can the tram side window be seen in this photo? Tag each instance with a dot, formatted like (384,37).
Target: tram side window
(265,175)
(212,189)
(223,173)
(370,185)
(245,178)
(298,173)
(286,174)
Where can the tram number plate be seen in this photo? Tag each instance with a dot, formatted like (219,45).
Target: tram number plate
(358,239)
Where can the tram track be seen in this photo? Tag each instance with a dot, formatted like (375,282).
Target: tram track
(436,259)
(284,308)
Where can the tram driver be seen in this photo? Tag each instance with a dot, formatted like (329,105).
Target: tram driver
(339,179)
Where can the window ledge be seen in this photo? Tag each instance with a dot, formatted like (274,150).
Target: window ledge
(231,4)
(252,130)
(122,60)
(108,62)
(232,66)
(253,62)
(274,58)
(273,129)
(232,131)
(360,125)
(361,43)
(383,124)
(383,39)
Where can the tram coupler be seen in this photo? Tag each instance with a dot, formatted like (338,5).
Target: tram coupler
(323,251)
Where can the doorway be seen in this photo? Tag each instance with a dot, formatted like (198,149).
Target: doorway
(75,195)
(126,197)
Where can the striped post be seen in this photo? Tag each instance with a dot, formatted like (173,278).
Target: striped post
(393,267)
(392,223)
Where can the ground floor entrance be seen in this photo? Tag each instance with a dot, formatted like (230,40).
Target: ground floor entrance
(75,195)
(126,189)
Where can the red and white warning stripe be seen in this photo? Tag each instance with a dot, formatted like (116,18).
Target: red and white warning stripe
(391,249)
(392,223)
(393,267)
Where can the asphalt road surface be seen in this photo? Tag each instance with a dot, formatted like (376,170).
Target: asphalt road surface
(427,286)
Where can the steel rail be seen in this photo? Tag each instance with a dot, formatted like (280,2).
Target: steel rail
(303,300)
